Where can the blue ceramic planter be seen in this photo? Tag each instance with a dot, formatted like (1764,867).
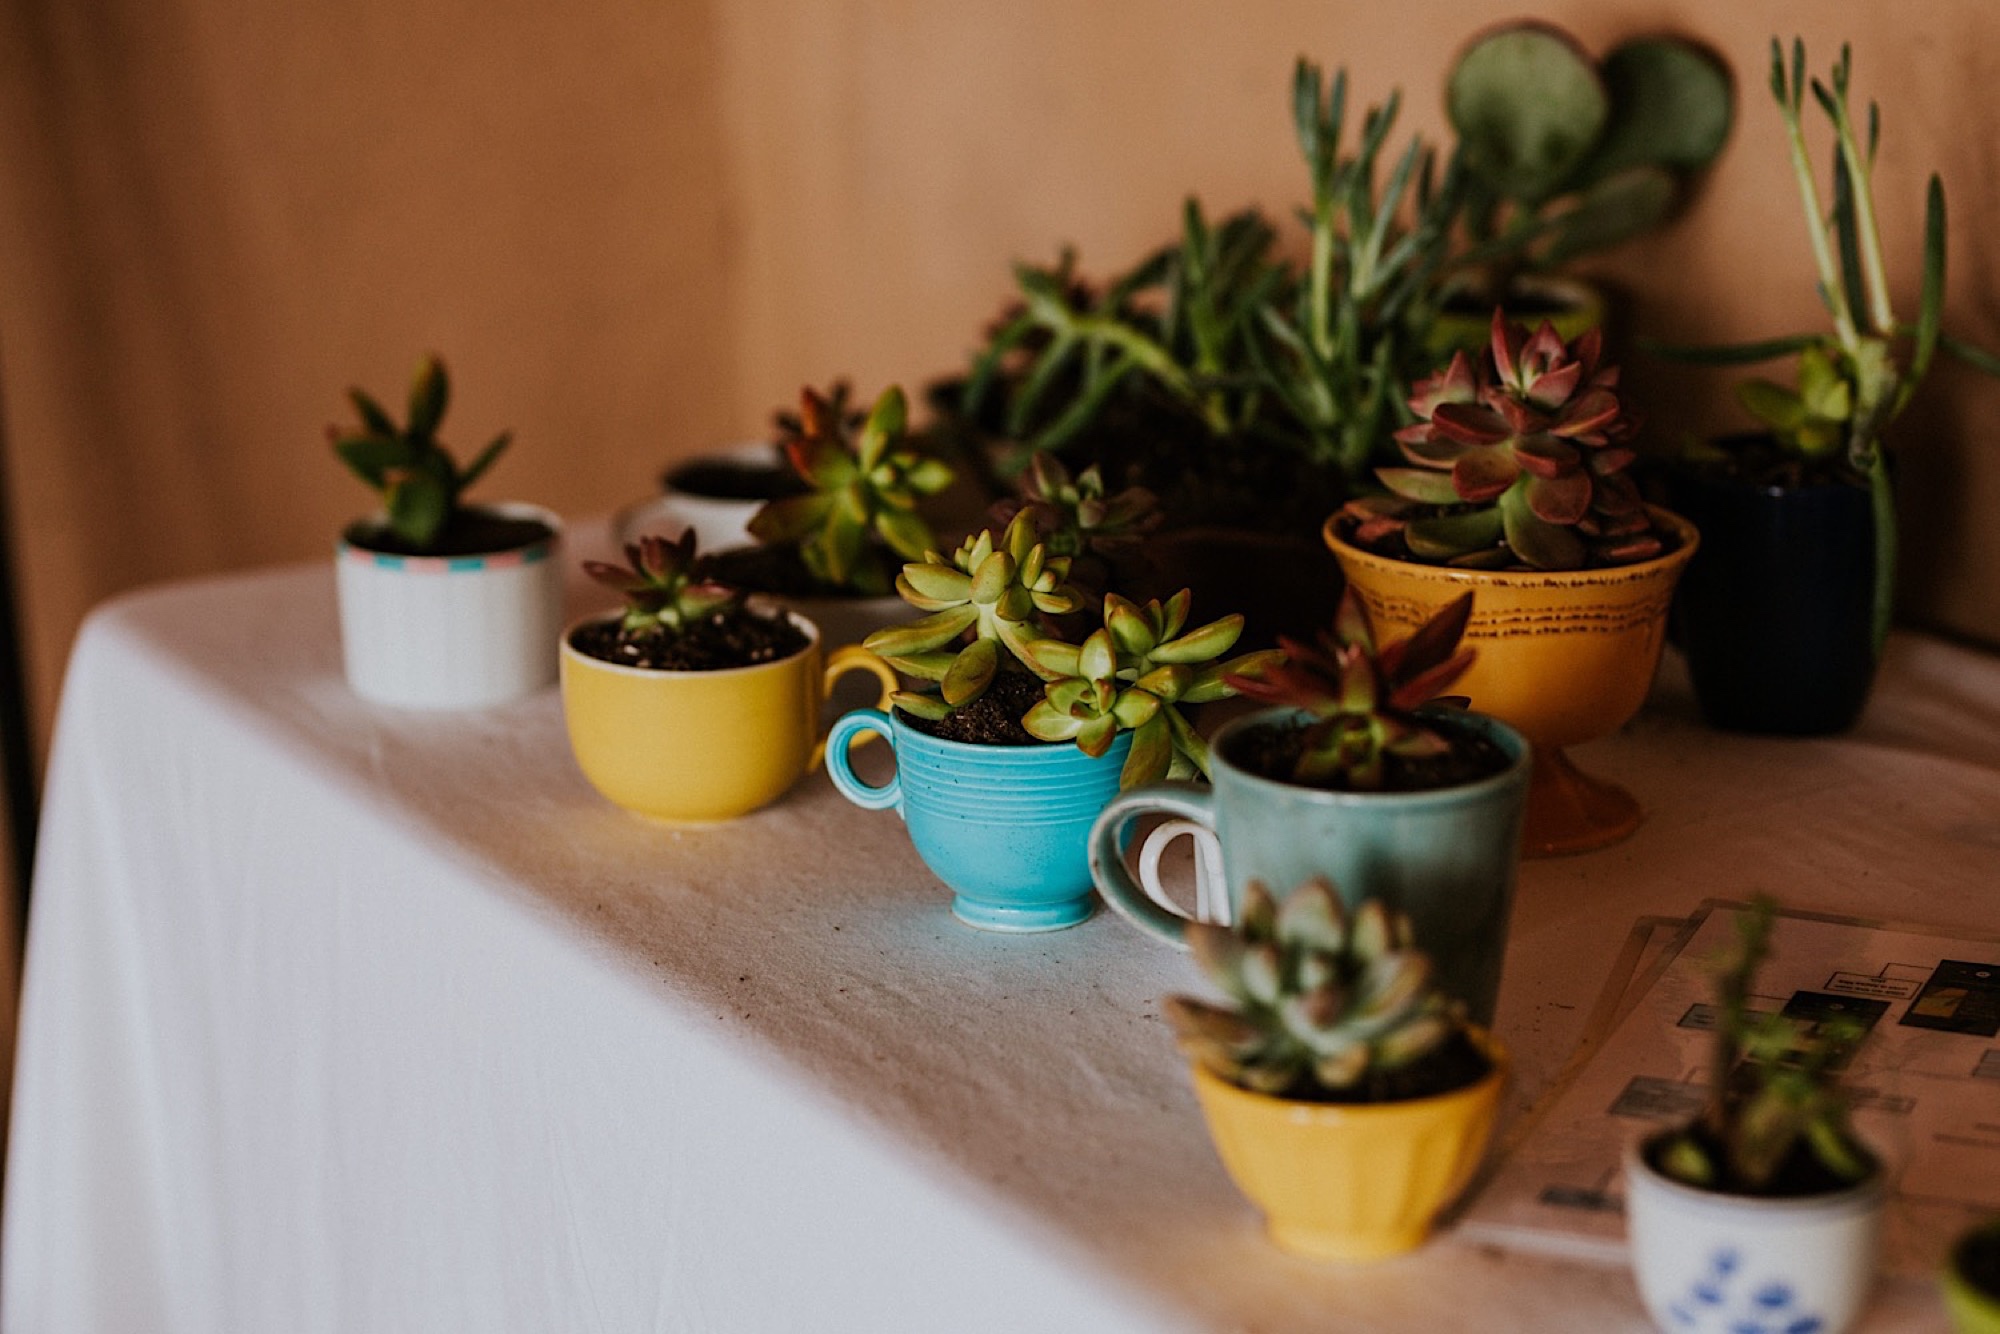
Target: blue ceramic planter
(1007,828)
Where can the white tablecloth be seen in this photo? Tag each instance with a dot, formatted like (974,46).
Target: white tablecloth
(344,1019)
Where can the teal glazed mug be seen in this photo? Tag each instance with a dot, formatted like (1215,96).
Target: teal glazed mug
(1007,828)
(1446,857)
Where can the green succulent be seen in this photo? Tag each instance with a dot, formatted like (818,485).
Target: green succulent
(1518,459)
(986,601)
(1321,999)
(1075,516)
(1363,701)
(862,511)
(418,479)
(1568,155)
(1133,675)
(1773,1091)
(662,594)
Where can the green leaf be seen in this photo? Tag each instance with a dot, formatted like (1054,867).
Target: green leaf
(1930,308)
(485,459)
(972,673)
(417,510)
(429,393)
(922,636)
(1527,105)
(905,532)
(1734,354)
(372,456)
(884,424)
(372,416)
(1772,404)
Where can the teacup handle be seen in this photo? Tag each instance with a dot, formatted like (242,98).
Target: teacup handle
(1107,855)
(1211,895)
(853,658)
(848,729)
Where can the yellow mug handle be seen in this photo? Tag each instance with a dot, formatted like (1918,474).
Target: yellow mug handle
(853,658)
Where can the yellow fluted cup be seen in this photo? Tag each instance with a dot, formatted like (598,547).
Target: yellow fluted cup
(698,747)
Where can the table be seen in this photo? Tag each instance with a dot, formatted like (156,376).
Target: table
(338,1018)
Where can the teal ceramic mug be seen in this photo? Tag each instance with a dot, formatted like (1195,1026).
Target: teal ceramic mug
(1445,857)
(1007,828)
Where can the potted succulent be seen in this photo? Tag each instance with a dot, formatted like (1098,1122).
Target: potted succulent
(690,705)
(1567,156)
(1347,1097)
(1972,1280)
(1765,1205)
(996,800)
(1515,484)
(716,494)
(1359,775)
(1784,613)
(442,604)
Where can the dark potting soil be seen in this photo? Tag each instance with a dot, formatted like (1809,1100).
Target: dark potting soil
(1757,460)
(1273,753)
(718,479)
(1977,1259)
(1457,1063)
(994,719)
(736,637)
(471,532)
(1801,1175)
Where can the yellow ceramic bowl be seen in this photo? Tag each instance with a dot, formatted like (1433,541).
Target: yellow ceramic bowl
(697,747)
(1565,656)
(1352,1182)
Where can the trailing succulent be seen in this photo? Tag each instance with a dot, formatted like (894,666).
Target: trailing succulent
(1324,1003)
(419,480)
(861,513)
(990,609)
(1363,701)
(1775,1109)
(663,595)
(1517,459)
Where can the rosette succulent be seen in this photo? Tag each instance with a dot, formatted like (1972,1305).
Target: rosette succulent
(1133,675)
(864,496)
(1519,458)
(987,598)
(661,591)
(1323,1000)
(1364,701)
(419,480)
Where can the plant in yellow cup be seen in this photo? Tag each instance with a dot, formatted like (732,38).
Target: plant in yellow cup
(1347,1097)
(693,705)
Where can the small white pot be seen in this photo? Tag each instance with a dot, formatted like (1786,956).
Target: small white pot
(1710,1263)
(452,632)
(717,522)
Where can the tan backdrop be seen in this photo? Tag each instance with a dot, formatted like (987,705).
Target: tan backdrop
(636,226)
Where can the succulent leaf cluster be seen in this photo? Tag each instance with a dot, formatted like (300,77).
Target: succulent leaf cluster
(1132,675)
(663,596)
(418,478)
(1517,459)
(1773,1085)
(1321,998)
(1076,515)
(986,601)
(1364,700)
(861,512)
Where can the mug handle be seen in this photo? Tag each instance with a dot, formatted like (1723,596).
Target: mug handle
(1107,854)
(847,730)
(1211,898)
(843,660)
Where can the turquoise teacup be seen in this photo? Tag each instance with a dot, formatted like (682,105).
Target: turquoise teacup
(1007,828)
(1447,857)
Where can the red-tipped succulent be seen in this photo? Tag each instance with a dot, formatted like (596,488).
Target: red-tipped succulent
(1517,458)
(1364,700)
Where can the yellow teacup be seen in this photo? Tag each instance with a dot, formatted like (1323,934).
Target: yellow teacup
(691,747)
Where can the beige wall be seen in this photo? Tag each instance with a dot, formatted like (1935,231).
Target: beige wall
(636,226)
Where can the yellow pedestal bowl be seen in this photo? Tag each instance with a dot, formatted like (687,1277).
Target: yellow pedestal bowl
(1565,656)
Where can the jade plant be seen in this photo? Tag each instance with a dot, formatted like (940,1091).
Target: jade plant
(1853,382)
(1325,1005)
(1363,701)
(1568,155)
(992,610)
(1775,1115)
(419,480)
(663,593)
(1517,459)
(1134,674)
(860,516)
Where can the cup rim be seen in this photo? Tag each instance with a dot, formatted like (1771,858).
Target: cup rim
(1861,1197)
(1500,1060)
(571,653)
(1687,540)
(1515,772)
(345,547)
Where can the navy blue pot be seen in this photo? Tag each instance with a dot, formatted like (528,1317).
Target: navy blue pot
(1774,611)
